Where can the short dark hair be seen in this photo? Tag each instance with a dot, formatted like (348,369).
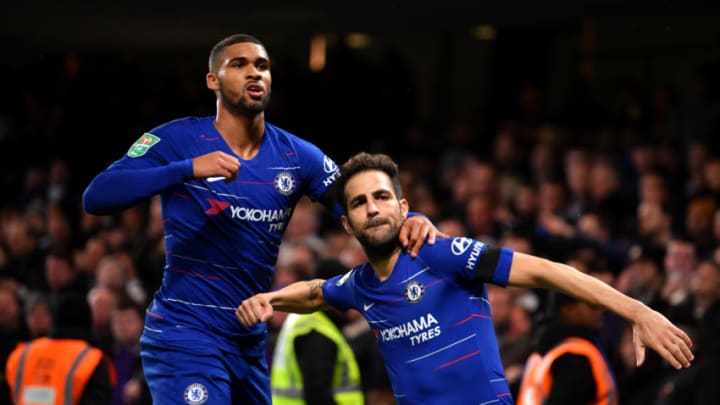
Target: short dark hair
(62,253)
(71,311)
(329,268)
(363,162)
(126,303)
(219,48)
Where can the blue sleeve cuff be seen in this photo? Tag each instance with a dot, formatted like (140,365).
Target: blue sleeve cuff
(186,168)
(502,271)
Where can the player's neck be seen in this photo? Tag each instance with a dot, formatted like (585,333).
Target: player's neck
(384,265)
(242,133)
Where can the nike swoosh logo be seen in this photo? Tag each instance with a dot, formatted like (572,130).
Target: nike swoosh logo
(216,178)
(367,306)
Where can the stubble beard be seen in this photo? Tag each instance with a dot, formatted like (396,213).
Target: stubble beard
(380,247)
(240,105)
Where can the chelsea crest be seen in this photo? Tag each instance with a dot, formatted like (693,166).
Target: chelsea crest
(284,183)
(414,291)
(195,394)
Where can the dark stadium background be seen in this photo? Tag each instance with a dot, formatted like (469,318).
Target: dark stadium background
(142,63)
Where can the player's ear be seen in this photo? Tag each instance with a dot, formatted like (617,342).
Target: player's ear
(346,224)
(404,207)
(212,81)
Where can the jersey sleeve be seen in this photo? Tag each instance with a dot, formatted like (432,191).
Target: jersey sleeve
(339,291)
(146,169)
(319,170)
(468,259)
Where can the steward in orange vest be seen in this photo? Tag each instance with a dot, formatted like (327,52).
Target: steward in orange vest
(568,368)
(63,368)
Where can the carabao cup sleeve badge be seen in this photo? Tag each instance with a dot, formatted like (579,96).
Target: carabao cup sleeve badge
(142,145)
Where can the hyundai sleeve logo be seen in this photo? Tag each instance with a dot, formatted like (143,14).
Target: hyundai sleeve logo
(328,165)
(460,245)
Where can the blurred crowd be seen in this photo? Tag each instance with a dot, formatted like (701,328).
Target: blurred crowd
(628,191)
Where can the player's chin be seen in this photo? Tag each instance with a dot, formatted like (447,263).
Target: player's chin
(378,227)
(383,238)
(255,105)
(377,234)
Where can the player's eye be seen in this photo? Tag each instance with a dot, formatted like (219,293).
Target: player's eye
(356,203)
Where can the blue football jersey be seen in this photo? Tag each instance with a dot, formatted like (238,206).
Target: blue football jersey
(432,321)
(222,239)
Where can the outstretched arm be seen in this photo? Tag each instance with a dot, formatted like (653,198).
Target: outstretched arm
(650,328)
(301,297)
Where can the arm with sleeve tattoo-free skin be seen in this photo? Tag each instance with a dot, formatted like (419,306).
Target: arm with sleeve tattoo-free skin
(650,328)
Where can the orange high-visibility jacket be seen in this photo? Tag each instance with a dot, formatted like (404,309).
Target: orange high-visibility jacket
(537,379)
(52,371)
